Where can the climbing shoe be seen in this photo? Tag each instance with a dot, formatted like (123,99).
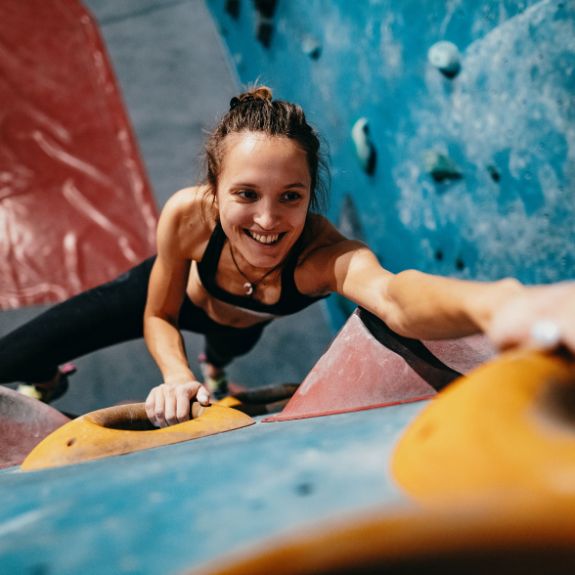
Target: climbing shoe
(217,386)
(51,390)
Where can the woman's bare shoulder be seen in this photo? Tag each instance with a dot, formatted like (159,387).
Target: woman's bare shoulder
(189,201)
(316,264)
(188,219)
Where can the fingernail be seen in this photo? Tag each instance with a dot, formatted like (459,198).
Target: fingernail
(546,334)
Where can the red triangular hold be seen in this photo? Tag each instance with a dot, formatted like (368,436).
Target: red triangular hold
(368,366)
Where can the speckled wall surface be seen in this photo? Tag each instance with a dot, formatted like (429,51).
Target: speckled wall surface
(474,173)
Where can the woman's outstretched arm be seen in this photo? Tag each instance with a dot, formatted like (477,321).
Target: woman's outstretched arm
(412,303)
(424,306)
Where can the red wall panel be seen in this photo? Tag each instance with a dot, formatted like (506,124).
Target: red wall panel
(76,207)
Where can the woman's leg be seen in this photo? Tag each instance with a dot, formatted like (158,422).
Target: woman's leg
(100,317)
(223,344)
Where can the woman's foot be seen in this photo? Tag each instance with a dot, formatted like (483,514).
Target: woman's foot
(51,390)
(215,378)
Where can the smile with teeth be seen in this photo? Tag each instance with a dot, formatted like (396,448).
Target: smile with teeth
(266,239)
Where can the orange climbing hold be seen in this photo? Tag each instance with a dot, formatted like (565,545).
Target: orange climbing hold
(125,429)
(507,427)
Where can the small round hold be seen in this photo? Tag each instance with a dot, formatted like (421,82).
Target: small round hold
(264,32)
(545,334)
(233,8)
(311,47)
(446,58)
(266,8)
(494,173)
(249,287)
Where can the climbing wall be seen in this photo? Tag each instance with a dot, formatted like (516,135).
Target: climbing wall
(450,124)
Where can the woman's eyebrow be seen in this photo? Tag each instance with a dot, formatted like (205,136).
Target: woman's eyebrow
(296,185)
(252,185)
(243,185)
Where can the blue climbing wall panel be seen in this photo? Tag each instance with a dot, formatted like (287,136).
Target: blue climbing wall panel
(474,167)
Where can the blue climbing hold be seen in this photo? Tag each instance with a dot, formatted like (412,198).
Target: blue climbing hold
(441,167)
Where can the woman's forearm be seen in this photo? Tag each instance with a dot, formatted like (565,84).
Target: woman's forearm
(424,306)
(166,345)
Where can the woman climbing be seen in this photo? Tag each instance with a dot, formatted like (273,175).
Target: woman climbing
(243,248)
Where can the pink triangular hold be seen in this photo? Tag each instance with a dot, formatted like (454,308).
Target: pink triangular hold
(24,422)
(360,371)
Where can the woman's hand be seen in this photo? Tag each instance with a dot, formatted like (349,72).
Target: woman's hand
(542,317)
(169,403)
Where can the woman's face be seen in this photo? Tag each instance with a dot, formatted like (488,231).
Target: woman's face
(263,196)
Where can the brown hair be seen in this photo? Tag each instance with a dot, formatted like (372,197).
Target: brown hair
(256,111)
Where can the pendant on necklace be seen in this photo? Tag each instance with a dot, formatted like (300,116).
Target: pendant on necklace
(249,287)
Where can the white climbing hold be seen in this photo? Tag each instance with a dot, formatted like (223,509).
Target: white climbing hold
(364,147)
(445,57)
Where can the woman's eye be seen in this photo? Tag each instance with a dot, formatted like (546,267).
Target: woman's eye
(247,194)
(291,196)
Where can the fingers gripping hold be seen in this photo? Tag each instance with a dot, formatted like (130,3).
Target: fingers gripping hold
(169,403)
(541,317)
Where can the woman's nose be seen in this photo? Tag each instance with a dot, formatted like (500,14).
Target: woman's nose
(267,217)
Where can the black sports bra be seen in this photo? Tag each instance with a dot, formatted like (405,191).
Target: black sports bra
(290,301)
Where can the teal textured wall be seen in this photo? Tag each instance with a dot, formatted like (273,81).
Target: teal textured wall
(474,173)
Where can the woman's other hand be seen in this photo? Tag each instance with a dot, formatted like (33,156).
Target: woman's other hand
(169,403)
(541,317)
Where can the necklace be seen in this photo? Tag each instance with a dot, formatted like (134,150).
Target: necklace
(251,286)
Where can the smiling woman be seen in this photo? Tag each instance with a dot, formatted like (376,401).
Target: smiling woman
(243,248)
(263,197)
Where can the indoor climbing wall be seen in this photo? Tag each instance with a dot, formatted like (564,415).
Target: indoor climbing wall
(450,123)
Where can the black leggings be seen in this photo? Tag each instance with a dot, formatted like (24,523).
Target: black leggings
(103,316)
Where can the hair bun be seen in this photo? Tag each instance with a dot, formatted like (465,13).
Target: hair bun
(259,94)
